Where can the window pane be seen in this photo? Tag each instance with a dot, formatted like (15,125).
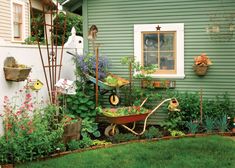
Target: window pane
(16,31)
(150,41)
(158,48)
(150,49)
(150,58)
(167,40)
(167,61)
(17,20)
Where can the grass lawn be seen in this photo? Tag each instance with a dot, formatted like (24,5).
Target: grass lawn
(203,152)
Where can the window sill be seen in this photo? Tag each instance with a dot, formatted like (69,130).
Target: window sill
(166,76)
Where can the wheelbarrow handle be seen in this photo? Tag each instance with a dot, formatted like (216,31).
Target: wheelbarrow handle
(143,102)
(145,121)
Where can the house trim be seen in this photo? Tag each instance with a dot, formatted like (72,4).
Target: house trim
(179,28)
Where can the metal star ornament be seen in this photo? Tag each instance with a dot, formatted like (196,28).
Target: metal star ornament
(158,28)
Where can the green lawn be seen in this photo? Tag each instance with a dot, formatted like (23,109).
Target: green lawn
(203,152)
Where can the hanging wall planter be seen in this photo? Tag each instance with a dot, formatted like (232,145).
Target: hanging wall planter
(200,70)
(201,64)
(15,72)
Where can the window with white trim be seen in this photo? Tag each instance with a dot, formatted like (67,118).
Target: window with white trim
(161,44)
(17,21)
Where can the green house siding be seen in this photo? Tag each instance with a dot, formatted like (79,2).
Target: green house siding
(115,20)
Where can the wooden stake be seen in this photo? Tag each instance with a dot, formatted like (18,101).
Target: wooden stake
(201,113)
(97,75)
(130,91)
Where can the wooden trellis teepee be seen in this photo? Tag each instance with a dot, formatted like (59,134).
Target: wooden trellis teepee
(52,59)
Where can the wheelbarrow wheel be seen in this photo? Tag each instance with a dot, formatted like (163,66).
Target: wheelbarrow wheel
(114,99)
(109,132)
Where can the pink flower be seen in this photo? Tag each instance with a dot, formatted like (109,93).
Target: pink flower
(18,112)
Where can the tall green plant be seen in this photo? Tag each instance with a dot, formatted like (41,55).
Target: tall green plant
(209,124)
(82,104)
(222,123)
(72,20)
(192,126)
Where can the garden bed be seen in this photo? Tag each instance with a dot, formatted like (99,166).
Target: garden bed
(205,152)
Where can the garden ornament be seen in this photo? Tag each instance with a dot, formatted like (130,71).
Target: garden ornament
(36,85)
(173,105)
(92,33)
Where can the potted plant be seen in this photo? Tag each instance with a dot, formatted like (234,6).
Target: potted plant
(14,71)
(72,128)
(201,64)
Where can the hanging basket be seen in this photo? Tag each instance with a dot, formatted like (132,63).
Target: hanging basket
(16,74)
(200,70)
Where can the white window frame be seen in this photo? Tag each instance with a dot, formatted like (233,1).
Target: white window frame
(179,29)
(22,3)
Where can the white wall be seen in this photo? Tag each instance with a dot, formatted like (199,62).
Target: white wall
(29,55)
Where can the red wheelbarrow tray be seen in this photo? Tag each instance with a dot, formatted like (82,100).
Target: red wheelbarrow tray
(127,118)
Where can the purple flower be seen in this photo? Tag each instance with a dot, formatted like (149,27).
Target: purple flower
(87,64)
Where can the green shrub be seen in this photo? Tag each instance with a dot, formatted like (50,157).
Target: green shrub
(72,20)
(209,124)
(189,105)
(123,137)
(220,106)
(222,124)
(73,145)
(152,132)
(192,126)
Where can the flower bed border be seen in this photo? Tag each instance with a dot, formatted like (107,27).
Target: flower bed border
(139,140)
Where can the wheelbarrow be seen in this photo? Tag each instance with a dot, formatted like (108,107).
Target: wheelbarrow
(105,87)
(112,129)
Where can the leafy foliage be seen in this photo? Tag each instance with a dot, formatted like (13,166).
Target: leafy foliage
(82,105)
(152,132)
(30,132)
(72,20)
(192,126)
(176,133)
(123,137)
(189,105)
(222,123)
(209,124)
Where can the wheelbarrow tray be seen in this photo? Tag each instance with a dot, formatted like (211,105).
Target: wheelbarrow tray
(126,119)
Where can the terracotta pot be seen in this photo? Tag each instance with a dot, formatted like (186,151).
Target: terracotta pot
(7,166)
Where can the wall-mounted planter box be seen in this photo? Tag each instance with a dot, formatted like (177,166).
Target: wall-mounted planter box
(159,84)
(16,74)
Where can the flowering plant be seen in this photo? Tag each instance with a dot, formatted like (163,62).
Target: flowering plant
(86,64)
(30,132)
(202,59)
